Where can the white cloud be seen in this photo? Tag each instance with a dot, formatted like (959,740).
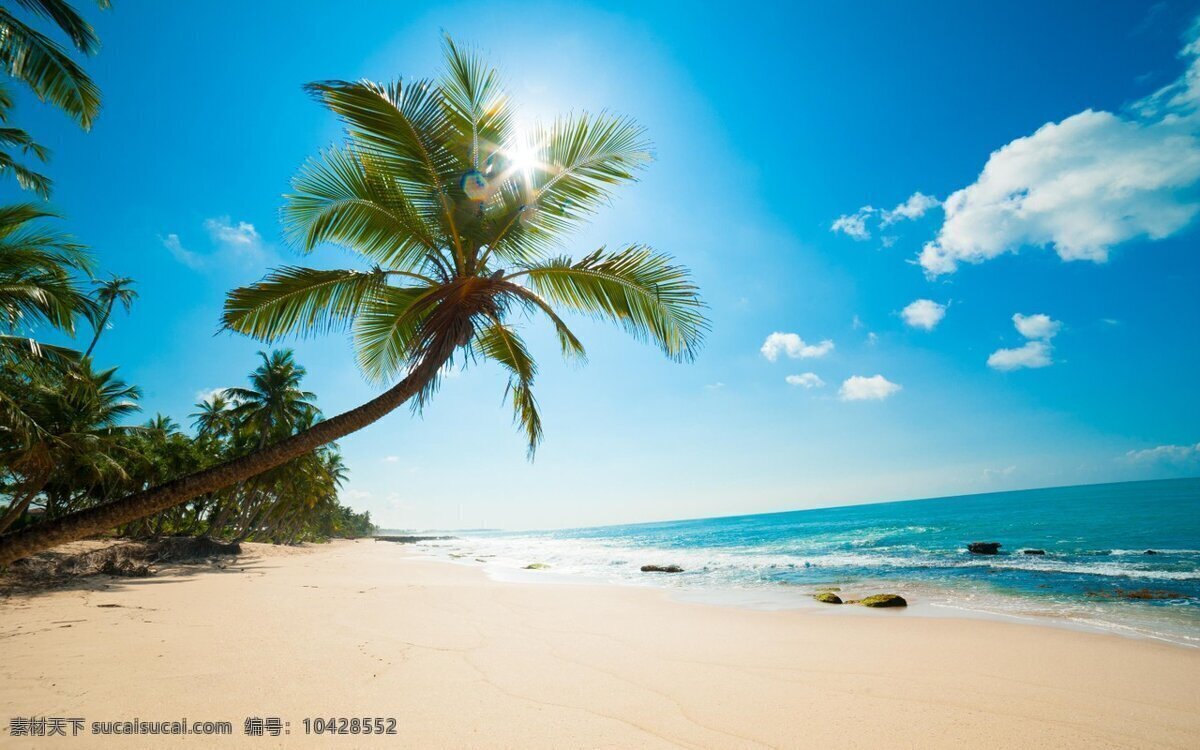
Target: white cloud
(1083,185)
(872,338)
(242,234)
(805,380)
(792,345)
(1174,454)
(206,396)
(914,208)
(1036,352)
(1032,355)
(861,388)
(180,253)
(715,386)
(391,459)
(854,225)
(923,313)
(1037,326)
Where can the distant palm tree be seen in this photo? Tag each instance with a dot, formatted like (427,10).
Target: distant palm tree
(214,417)
(47,69)
(108,293)
(456,213)
(274,404)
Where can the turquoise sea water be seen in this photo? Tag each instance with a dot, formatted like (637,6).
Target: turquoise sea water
(1095,538)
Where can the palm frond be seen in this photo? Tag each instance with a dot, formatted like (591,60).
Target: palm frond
(636,287)
(401,126)
(572,347)
(342,198)
(476,104)
(501,344)
(387,332)
(27,179)
(82,35)
(304,301)
(45,67)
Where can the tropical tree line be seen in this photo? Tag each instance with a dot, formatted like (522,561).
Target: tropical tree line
(68,437)
(459,223)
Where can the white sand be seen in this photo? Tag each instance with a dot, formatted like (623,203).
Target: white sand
(364,629)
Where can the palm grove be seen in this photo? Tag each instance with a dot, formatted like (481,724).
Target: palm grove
(458,221)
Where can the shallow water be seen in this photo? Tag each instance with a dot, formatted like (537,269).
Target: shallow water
(1095,538)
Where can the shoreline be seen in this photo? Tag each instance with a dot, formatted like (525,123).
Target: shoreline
(371,629)
(924,599)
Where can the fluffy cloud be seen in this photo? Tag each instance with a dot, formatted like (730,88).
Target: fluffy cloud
(805,380)
(923,313)
(1037,326)
(1173,454)
(914,208)
(207,395)
(242,234)
(1036,352)
(1032,355)
(1083,185)
(855,225)
(860,388)
(793,346)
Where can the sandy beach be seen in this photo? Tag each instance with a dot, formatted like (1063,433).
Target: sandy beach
(366,629)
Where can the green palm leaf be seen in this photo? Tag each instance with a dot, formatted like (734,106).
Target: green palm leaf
(636,287)
(303,301)
(501,344)
(388,330)
(341,198)
(31,57)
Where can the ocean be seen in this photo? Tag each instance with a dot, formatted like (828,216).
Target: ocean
(1095,574)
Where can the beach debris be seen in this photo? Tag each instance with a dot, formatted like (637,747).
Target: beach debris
(126,568)
(827,597)
(884,600)
(661,569)
(1150,552)
(412,539)
(1033,551)
(537,566)
(984,548)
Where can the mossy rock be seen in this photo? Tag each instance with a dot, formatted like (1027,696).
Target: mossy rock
(537,566)
(884,600)
(828,597)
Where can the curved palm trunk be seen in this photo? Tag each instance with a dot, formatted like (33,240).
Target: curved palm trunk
(141,504)
(99,327)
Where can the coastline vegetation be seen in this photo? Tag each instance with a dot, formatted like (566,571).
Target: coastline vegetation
(459,220)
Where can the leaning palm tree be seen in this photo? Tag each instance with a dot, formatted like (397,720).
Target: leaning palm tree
(107,295)
(458,219)
(43,65)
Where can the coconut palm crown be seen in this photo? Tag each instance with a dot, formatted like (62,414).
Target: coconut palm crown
(459,216)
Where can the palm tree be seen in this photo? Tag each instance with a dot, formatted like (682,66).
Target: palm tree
(76,445)
(108,293)
(274,404)
(39,289)
(47,69)
(456,214)
(214,418)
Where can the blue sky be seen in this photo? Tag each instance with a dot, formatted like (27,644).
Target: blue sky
(770,125)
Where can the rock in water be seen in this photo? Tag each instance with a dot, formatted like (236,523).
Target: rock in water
(884,600)
(828,597)
(1034,551)
(984,548)
(661,569)
(537,566)
(1150,552)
